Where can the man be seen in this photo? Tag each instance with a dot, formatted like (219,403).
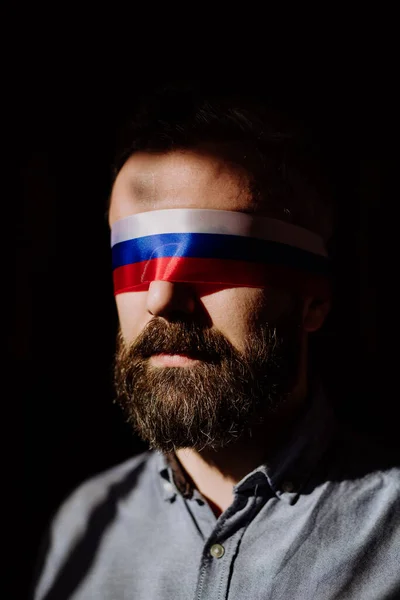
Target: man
(220,219)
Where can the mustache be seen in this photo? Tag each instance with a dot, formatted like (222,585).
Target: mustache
(179,337)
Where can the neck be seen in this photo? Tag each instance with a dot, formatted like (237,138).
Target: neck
(215,472)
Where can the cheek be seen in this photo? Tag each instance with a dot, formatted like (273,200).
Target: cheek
(238,312)
(132,314)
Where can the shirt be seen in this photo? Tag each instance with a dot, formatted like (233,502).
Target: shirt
(319,520)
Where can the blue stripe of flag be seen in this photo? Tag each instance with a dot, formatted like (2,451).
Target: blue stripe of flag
(215,246)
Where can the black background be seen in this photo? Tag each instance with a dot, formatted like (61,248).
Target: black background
(63,341)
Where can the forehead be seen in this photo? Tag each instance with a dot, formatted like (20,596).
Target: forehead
(178,179)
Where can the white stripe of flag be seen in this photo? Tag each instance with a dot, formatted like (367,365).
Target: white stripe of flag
(225,222)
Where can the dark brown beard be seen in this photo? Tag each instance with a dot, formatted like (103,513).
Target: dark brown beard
(214,402)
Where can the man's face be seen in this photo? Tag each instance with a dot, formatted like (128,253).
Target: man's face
(199,365)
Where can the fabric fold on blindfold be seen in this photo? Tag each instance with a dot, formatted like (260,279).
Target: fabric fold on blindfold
(221,247)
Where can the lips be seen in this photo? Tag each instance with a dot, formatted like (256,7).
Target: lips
(191,354)
(173,360)
(182,355)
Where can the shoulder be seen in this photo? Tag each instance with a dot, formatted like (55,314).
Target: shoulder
(364,473)
(94,506)
(97,500)
(118,481)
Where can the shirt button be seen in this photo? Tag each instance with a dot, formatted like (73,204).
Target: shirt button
(288,486)
(217,550)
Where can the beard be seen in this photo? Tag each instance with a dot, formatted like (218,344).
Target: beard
(216,401)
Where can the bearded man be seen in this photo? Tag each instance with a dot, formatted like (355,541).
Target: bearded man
(221,218)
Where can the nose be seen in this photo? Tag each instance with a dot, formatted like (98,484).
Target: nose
(167,299)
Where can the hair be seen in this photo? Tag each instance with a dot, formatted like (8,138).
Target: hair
(285,167)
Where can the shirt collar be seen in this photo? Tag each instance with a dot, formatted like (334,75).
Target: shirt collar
(286,472)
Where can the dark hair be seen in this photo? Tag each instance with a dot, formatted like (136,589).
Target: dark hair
(284,164)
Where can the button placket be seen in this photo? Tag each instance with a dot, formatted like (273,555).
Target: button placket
(217,562)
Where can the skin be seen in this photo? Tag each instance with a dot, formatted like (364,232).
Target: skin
(202,179)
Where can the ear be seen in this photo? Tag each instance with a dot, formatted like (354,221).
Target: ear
(315,312)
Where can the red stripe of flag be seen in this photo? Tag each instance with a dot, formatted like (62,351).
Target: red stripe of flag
(137,276)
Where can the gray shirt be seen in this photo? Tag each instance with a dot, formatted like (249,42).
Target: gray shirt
(319,520)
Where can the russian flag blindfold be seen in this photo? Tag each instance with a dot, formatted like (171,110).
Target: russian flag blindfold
(220,247)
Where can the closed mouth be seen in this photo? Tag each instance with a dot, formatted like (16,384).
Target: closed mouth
(191,354)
